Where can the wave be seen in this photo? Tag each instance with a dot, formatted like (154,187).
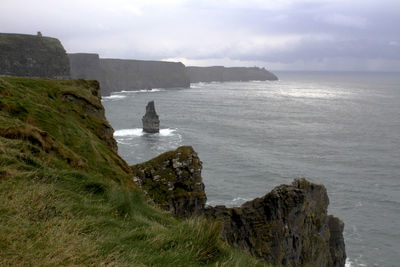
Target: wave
(235,202)
(240,199)
(139,132)
(129,132)
(354,263)
(153,90)
(113,97)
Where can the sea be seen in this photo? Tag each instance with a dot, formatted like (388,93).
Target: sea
(340,129)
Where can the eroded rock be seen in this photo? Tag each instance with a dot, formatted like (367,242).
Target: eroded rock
(151,122)
(173,180)
(288,226)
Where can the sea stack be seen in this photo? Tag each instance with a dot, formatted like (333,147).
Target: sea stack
(151,122)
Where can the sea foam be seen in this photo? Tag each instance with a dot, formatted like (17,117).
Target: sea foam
(113,97)
(139,132)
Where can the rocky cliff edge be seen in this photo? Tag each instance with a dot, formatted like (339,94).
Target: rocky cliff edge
(288,226)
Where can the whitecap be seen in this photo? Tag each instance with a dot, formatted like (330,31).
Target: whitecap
(355,262)
(153,90)
(239,201)
(129,132)
(139,132)
(167,132)
(113,97)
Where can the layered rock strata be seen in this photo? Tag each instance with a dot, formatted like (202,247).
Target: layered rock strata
(32,56)
(150,120)
(288,226)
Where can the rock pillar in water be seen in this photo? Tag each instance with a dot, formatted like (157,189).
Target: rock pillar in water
(151,122)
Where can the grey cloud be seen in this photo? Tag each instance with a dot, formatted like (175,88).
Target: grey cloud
(279,32)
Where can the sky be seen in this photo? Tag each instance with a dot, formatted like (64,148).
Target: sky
(301,35)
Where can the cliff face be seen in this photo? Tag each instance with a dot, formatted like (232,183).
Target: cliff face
(288,226)
(32,56)
(85,66)
(223,74)
(138,74)
(116,74)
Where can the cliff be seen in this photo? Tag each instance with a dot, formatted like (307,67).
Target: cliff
(116,74)
(223,74)
(32,56)
(68,199)
(289,226)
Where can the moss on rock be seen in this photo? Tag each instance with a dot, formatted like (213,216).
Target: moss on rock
(173,180)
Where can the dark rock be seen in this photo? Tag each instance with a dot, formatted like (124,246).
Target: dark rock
(116,75)
(33,56)
(223,74)
(288,226)
(151,122)
(173,180)
(336,241)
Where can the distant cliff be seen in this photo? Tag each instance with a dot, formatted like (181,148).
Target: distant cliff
(118,74)
(223,74)
(32,56)
(138,74)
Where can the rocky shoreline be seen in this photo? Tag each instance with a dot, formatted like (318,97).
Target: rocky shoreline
(288,226)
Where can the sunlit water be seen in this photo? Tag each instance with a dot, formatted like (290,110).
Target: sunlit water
(338,129)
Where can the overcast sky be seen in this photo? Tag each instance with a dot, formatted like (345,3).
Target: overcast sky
(277,34)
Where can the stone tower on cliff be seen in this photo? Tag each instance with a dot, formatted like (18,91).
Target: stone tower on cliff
(151,122)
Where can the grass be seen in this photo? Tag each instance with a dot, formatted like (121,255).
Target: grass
(67,199)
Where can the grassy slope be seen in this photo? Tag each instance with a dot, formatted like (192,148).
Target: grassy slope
(67,199)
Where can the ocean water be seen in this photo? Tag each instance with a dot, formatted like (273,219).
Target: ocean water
(338,129)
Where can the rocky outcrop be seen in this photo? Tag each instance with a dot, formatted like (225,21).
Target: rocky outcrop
(32,56)
(173,180)
(223,74)
(116,75)
(288,226)
(150,120)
